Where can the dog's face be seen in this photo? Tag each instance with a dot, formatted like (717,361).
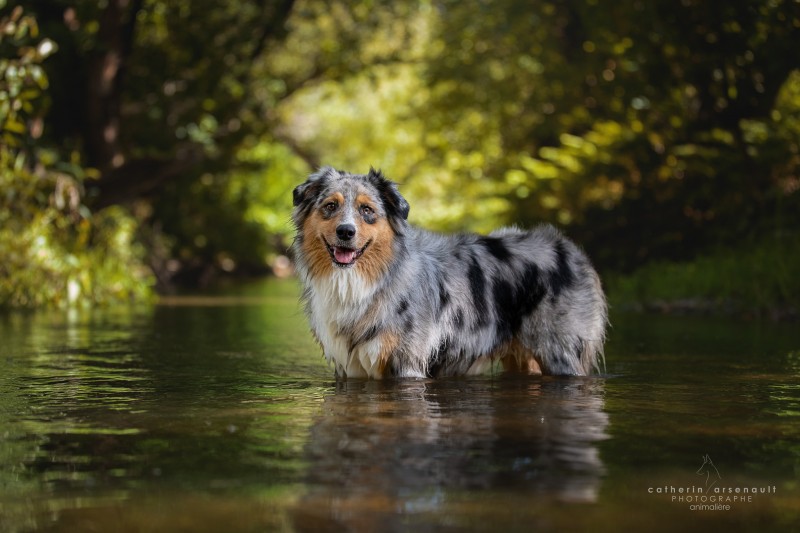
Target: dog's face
(347,221)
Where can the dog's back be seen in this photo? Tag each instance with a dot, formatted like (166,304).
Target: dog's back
(526,298)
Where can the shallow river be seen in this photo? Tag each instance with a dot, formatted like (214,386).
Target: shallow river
(219,414)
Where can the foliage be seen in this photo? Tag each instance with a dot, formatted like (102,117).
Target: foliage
(652,119)
(54,251)
(369,121)
(756,279)
(234,220)
(50,260)
(233,213)
(647,129)
(22,78)
(651,131)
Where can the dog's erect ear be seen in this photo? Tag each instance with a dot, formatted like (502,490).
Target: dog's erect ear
(396,205)
(306,191)
(312,186)
(298,194)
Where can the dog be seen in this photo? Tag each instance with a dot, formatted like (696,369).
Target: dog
(387,299)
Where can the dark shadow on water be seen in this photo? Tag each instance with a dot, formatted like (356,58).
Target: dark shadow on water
(415,448)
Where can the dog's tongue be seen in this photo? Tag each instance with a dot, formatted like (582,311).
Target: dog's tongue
(344,255)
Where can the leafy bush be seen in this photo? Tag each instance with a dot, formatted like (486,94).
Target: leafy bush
(753,279)
(54,250)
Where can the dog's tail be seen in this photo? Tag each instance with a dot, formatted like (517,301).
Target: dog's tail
(591,353)
(591,356)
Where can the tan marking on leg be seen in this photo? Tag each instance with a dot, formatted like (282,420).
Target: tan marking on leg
(479,366)
(389,342)
(517,359)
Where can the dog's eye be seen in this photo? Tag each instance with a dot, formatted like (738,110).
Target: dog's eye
(367,211)
(330,207)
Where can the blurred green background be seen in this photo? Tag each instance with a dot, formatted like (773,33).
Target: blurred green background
(148,145)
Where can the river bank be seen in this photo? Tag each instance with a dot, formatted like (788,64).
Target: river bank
(756,280)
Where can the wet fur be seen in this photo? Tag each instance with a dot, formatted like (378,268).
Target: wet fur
(422,304)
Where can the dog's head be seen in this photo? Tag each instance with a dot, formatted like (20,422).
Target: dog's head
(348,221)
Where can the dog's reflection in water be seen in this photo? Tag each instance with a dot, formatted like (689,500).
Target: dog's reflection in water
(380,449)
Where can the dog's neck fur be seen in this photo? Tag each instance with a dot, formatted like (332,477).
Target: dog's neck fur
(346,289)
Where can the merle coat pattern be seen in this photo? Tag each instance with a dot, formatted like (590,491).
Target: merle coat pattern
(385,298)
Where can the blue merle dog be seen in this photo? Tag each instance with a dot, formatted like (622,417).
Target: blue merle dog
(387,299)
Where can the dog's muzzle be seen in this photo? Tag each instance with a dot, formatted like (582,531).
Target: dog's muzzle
(344,255)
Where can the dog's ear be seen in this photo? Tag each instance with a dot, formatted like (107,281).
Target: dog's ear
(311,187)
(298,194)
(397,207)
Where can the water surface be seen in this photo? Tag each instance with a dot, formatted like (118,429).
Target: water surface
(219,414)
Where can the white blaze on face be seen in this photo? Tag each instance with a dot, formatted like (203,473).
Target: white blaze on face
(344,252)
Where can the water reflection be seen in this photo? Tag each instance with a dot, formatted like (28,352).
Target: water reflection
(415,446)
(102,408)
(225,418)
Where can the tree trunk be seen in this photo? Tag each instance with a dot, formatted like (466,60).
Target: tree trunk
(106,76)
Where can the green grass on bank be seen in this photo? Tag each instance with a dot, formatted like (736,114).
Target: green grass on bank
(757,279)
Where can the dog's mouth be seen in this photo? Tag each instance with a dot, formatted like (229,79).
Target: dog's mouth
(344,256)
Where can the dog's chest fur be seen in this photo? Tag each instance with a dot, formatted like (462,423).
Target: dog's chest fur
(335,304)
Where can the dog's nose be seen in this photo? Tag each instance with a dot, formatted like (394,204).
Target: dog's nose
(345,231)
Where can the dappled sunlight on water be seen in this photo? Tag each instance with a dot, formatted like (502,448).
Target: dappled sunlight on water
(212,414)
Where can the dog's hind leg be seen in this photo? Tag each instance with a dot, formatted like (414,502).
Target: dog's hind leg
(517,359)
(522,365)
(560,357)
